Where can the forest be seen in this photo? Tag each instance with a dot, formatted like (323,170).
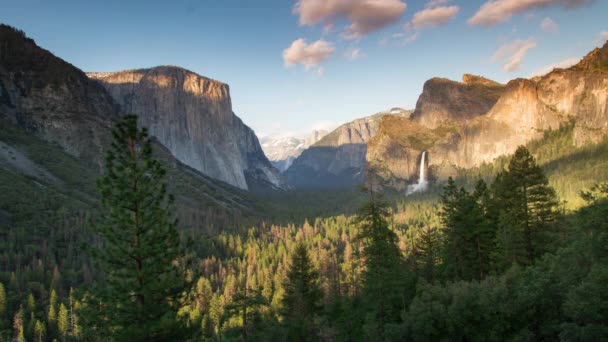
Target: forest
(494,254)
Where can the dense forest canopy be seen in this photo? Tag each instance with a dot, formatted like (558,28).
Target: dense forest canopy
(498,257)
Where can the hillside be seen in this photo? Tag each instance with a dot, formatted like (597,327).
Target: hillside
(338,159)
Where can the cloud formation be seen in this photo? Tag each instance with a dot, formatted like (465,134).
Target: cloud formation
(498,11)
(512,54)
(308,55)
(566,63)
(548,25)
(365,16)
(434,16)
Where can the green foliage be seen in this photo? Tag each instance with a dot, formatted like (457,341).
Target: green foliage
(528,204)
(140,252)
(301,296)
(468,234)
(384,278)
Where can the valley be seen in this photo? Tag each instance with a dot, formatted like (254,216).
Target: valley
(479,214)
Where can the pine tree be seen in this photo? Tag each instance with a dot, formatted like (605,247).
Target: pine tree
(383,278)
(63,321)
(509,242)
(31,303)
(216,314)
(51,317)
(246,304)
(484,233)
(139,253)
(18,329)
(469,234)
(530,204)
(428,250)
(39,330)
(302,296)
(454,216)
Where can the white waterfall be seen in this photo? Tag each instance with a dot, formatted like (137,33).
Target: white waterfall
(422,182)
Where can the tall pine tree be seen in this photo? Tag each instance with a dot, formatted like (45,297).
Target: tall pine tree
(529,208)
(139,252)
(384,276)
(302,296)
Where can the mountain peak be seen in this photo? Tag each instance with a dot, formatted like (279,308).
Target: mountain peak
(469,79)
(597,59)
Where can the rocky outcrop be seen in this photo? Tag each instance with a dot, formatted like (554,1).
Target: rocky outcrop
(339,158)
(52,99)
(526,109)
(192,116)
(445,101)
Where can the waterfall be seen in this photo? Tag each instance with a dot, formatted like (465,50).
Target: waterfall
(421,178)
(422,182)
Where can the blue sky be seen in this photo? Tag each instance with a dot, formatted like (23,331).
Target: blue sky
(368,59)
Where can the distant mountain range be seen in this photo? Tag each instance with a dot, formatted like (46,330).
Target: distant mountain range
(282,151)
(338,159)
(461,125)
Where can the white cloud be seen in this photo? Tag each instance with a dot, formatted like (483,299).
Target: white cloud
(308,55)
(365,16)
(493,12)
(512,54)
(548,25)
(433,17)
(566,63)
(353,54)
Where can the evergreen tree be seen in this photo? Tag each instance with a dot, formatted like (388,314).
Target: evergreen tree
(63,321)
(383,278)
(39,330)
(428,250)
(530,207)
(139,253)
(18,329)
(484,233)
(302,296)
(246,304)
(216,314)
(454,215)
(469,236)
(51,317)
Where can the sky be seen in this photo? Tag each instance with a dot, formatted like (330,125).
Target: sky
(298,65)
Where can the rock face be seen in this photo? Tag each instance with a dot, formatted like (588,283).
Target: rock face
(192,116)
(282,151)
(338,159)
(52,99)
(446,102)
(525,109)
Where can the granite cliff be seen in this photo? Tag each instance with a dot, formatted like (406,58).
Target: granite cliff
(338,159)
(192,116)
(445,101)
(189,114)
(525,109)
